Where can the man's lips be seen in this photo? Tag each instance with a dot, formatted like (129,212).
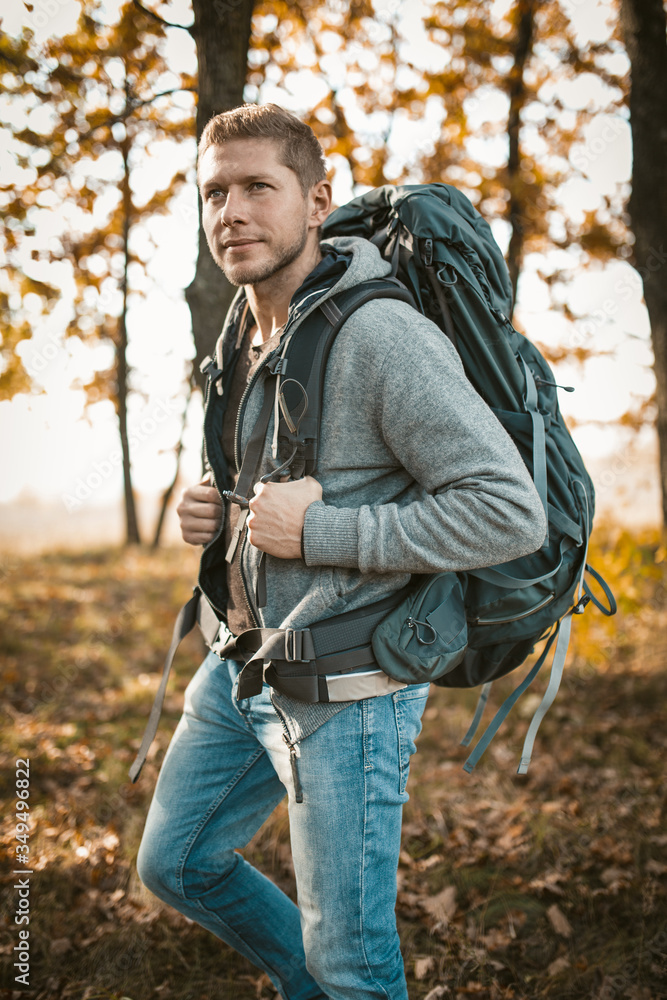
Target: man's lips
(239,245)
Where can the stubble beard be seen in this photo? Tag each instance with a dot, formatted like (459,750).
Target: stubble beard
(254,274)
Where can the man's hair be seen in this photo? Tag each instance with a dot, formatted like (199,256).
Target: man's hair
(299,148)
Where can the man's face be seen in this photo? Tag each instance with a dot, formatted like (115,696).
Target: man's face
(254,213)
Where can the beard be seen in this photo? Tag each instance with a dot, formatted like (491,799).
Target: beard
(253,274)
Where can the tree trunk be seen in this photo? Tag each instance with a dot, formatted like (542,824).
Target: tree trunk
(221,31)
(643,23)
(517,98)
(132,536)
(166,496)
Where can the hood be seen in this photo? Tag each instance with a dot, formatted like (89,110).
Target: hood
(364,262)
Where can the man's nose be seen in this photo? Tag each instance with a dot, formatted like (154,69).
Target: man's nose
(234,210)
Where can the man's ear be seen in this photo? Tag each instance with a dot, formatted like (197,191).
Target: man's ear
(320,197)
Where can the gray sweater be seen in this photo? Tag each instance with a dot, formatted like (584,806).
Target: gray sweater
(417,474)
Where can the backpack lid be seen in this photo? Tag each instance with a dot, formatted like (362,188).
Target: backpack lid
(431,211)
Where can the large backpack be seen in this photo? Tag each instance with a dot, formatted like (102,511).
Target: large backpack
(462,629)
(443,251)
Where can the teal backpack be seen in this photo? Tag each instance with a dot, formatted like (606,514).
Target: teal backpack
(468,629)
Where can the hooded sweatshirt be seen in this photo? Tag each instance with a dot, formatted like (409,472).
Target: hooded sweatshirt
(417,474)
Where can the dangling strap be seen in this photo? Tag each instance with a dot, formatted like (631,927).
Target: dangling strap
(251,458)
(612,609)
(555,677)
(260,589)
(506,707)
(185,622)
(501,579)
(479,712)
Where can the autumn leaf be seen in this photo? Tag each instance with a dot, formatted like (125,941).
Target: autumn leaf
(443,906)
(559,921)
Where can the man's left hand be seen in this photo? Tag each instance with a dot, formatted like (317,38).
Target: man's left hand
(277,512)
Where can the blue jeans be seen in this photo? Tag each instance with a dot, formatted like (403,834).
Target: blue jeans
(225,771)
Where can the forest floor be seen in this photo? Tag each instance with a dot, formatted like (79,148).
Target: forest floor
(552,885)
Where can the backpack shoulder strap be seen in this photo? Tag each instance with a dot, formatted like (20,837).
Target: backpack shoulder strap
(303,367)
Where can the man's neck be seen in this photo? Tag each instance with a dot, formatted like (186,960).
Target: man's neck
(269,301)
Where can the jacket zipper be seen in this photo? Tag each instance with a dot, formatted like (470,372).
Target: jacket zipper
(209,467)
(237,457)
(291,320)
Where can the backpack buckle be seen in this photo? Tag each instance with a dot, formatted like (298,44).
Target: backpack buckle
(209,368)
(278,366)
(297,643)
(580,607)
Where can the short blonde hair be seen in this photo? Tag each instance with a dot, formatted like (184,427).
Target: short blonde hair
(299,148)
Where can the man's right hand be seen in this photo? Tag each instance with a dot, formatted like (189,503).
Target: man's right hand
(200,513)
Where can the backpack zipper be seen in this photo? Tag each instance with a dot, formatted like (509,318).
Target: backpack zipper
(513,618)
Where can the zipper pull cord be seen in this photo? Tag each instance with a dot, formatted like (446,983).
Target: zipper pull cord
(298,790)
(543,381)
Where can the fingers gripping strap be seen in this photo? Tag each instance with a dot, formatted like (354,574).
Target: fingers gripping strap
(184,623)
(539,437)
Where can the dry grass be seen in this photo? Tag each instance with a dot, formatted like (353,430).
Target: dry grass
(547,886)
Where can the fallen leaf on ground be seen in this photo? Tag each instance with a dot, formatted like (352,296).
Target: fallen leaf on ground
(437,993)
(443,906)
(423,966)
(559,921)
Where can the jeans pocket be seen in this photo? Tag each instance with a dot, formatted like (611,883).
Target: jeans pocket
(409,704)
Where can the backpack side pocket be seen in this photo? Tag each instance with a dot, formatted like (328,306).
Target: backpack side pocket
(426,636)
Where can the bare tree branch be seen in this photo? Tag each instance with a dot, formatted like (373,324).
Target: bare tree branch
(160,20)
(132,107)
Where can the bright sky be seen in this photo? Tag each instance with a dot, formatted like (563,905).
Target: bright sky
(53,449)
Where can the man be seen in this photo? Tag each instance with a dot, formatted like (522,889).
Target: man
(414,475)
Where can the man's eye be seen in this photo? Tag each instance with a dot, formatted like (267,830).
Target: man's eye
(214,193)
(259,184)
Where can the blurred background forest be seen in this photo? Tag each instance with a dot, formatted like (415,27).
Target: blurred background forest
(552,118)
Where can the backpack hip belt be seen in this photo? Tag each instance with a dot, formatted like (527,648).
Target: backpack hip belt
(332,660)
